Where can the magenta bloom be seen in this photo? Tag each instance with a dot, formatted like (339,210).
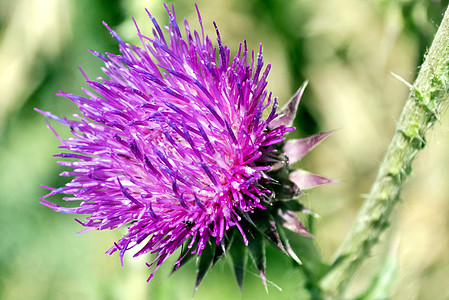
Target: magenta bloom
(181,143)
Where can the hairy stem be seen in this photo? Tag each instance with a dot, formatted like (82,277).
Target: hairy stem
(419,114)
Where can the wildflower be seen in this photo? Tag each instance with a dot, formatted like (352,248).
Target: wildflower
(174,145)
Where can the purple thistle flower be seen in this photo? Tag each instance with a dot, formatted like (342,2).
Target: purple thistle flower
(174,145)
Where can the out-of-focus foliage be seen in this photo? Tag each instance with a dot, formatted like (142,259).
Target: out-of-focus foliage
(346,49)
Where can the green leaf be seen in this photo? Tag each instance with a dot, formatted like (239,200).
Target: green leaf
(266,225)
(292,204)
(239,256)
(219,251)
(204,263)
(185,254)
(285,242)
(256,246)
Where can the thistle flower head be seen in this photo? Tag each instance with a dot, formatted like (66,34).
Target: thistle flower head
(181,143)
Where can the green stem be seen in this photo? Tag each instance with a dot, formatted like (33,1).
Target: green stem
(420,112)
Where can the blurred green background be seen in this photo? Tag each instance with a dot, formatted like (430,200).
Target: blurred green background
(348,51)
